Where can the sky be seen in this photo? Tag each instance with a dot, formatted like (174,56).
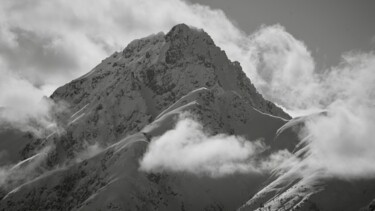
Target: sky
(328,28)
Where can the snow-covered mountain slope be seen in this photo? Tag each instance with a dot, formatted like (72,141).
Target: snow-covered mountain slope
(136,95)
(129,98)
(128,90)
(111,180)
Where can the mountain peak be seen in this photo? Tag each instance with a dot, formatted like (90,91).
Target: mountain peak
(188,33)
(168,66)
(126,101)
(180,28)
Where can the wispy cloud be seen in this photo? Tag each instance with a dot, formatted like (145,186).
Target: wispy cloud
(23,107)
(342,142)
(282,66)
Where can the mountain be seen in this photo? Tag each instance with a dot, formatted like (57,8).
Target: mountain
(134,96)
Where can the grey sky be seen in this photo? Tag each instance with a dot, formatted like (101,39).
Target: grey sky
(328,28)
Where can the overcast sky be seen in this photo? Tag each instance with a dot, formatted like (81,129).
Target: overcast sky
(328,28)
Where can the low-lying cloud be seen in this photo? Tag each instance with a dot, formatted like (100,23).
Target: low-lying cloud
(23,106)
(339,143)
(342,141)
(188,148)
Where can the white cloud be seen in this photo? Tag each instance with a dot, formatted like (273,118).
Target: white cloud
(23,106)
(342,142)
(283,67)
(188,148)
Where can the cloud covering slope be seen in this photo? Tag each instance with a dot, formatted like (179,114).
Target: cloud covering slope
(188,148)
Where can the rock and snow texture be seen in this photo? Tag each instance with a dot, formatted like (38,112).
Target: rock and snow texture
(137,95)
(128,90)
(142,91)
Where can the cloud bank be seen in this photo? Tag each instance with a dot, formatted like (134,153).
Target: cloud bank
(342,141)
(188,148)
